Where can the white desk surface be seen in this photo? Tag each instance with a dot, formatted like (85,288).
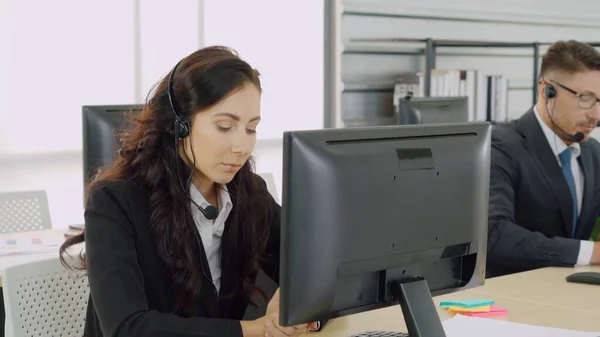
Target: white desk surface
(12,260)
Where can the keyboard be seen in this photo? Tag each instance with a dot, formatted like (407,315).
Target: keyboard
(381,334)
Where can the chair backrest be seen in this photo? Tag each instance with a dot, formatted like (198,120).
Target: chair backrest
(24,211)
(42,298)
(268,177)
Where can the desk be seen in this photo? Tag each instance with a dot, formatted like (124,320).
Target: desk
(540,297)
(545,299)
(13,260)
(547,286)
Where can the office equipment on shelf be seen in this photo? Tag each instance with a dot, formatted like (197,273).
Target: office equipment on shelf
(465,326)
(367,105)
(586,277)
(428,110)
(100,143)
(378,216)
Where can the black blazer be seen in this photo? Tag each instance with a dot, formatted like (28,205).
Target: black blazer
(530,203)
(132,293)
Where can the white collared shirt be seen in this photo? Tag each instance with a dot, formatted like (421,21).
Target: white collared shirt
(558,146)
(211,232)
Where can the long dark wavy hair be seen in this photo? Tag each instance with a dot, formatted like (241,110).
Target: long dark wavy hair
(147,159)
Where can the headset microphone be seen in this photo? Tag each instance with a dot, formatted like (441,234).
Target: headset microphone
(577,137)
(209,212)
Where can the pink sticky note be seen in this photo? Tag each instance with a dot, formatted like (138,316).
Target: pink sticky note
(494,311)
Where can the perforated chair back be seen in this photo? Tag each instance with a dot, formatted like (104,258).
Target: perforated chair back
(42,298)
(268,177)
(24,211)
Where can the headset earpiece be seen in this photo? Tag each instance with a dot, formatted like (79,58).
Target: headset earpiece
(550,91)
(182,127)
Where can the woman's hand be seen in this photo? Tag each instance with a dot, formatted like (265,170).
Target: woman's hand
(268,325)
(271,321)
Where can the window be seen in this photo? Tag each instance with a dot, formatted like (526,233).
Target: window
(56,57)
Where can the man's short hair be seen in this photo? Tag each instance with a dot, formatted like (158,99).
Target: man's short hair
(570,57)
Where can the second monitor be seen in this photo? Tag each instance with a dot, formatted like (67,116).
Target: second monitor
(430,110)
(100,141)
(383,215)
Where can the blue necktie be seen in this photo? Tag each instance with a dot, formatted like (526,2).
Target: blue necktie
(565,163)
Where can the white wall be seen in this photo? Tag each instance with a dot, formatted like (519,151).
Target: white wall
(284,40)
(114,51)
(530,12)
(166,32)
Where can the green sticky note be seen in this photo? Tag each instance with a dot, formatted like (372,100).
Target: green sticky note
(467,303)
(596,231)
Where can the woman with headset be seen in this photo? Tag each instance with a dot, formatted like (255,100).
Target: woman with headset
(178,227)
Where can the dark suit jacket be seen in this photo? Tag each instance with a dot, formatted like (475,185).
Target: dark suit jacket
(530,208)
(132,293)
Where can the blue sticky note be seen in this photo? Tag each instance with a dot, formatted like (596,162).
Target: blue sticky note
(467,303)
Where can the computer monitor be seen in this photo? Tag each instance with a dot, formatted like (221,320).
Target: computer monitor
(429,110)
(100,141)
(378,216)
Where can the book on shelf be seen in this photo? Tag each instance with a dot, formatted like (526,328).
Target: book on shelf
(487,94)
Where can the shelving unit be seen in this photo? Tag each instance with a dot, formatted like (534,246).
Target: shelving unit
(369,45)
(430,45)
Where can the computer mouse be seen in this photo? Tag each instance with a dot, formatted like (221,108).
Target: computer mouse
(587,277)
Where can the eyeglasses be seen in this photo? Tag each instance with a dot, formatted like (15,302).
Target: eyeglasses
(584,100)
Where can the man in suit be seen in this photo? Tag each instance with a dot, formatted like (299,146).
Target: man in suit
(545,170)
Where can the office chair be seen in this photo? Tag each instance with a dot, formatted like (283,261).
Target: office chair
(42,298)
(24,211)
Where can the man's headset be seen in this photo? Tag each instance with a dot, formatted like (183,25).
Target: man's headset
(181,127)
(577,137)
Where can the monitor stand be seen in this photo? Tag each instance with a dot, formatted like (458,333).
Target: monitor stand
(420,313)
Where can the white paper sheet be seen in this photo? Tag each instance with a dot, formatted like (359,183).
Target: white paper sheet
(465,326)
